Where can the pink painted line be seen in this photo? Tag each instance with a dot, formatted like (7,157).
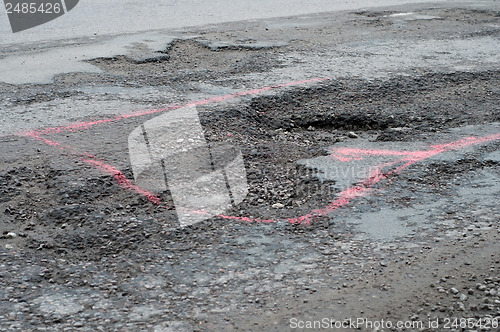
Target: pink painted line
(89,124)
(343,154)
(366,186)
(344,198)
(55,144)
(349,154)
(122,180)
(118,176)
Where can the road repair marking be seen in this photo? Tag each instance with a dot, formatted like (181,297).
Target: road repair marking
(76,126)
(363,188)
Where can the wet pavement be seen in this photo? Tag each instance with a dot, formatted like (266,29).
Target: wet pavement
(370,146)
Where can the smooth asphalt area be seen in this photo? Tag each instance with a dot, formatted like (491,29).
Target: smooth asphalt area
(98,18)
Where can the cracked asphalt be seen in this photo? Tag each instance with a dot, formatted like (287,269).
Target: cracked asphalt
(370,141)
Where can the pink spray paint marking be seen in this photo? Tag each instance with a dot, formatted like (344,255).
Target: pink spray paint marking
(89,124)
(410,157)
(364,188)
(59,146)
(122,180)
(117,175)
(345,197)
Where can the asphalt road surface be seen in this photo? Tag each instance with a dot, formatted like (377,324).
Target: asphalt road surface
(94,17)
(336,170)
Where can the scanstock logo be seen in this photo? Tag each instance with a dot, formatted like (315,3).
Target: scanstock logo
(170,153)
(26,14)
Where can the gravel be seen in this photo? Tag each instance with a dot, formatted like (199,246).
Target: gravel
(77,252)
